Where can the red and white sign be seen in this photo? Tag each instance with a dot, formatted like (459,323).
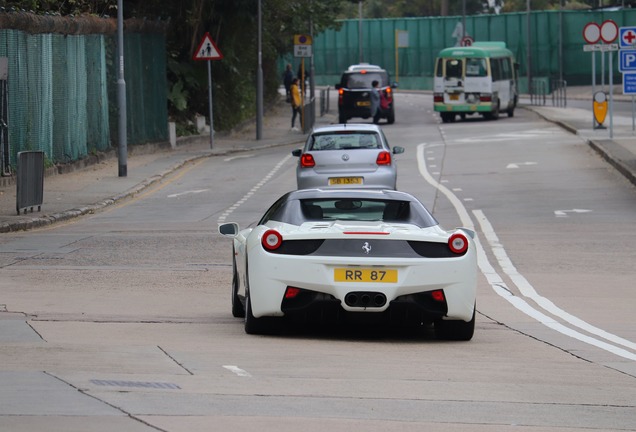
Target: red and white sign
(591,33)
(207,50)
(609,31)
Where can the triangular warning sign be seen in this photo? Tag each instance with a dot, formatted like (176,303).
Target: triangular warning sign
(207,50)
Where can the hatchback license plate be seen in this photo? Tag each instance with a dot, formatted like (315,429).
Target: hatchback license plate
(365,275)
(364,103)
(344,180)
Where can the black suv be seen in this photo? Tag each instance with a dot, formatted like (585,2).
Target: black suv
(354,92)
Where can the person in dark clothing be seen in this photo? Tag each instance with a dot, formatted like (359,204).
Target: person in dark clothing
(288,76)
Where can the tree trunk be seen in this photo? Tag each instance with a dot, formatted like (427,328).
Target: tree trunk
(444,8)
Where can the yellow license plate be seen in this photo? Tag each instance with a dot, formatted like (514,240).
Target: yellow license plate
(363,103)
(454,97)
(372,275)
(344,180)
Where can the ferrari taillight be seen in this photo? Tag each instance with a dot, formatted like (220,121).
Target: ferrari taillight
(307,161)
(384,158)
(291,292)
(458,243)
(271,240)
(438,295)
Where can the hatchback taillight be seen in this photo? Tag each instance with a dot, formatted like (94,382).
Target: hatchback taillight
(384,158)
(307,161)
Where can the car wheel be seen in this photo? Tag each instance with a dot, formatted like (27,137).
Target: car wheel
(511,111)
(238,310)
(447,117)
(494,115)
(390,117)
(259,326)
(456,330)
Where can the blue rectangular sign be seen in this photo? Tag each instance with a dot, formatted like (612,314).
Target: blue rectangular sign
(629,83)
(627,60)
(627,37)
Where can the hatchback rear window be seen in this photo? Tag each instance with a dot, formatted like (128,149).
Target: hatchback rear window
(345,141)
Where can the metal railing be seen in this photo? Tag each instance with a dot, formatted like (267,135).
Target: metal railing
(538,91)
(559,93)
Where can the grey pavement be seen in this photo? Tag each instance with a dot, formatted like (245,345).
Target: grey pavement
(92,184)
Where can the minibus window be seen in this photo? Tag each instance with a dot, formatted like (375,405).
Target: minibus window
(453,68)
(476,67)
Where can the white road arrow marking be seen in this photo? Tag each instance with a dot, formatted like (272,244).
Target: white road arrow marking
(188,192)
(517,164)
(564,213)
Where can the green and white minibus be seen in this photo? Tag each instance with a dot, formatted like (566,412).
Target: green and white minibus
(477,79)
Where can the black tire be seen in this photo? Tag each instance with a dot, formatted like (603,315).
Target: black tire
(259,326)
(238,310)
(447,117)
(390,117)
(511,111)
(455,330)
(494,115)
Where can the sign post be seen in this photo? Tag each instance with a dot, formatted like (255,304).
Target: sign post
(302,49)
(208,51)
(627,64)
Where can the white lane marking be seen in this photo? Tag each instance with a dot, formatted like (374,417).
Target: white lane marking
(515,165)
(499,286)
(198,191)
(564,213)
(237,370)
(527,290)
(238,157)
(265,179)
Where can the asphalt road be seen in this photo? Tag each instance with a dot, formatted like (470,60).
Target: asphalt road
(122,319)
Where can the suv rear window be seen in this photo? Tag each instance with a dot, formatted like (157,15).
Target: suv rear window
(364,80)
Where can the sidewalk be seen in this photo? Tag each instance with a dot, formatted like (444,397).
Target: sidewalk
(93,186)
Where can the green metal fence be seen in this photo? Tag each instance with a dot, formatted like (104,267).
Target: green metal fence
(556,43)
(62,92)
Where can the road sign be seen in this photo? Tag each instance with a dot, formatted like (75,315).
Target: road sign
(467,41)
(591,32)
(627,61)
(302,45)
(207,50)
(629,83)
(609,31)
(627,37)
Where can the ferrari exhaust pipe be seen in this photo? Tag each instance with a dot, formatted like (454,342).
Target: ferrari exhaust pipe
(365,299)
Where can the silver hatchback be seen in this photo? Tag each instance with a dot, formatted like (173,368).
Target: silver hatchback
(347,155)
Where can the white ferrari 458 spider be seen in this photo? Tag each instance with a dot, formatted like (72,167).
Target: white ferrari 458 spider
(331,254)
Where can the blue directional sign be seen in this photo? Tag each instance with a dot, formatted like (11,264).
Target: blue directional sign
(627,60)
(627,37)
(629,83)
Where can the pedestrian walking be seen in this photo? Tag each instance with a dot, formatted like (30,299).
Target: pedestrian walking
(296,104)
(288,77)
(376,111)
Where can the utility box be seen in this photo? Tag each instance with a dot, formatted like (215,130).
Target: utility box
(30,180)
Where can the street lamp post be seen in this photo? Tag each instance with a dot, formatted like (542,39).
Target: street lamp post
(259,78)
(121,95)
